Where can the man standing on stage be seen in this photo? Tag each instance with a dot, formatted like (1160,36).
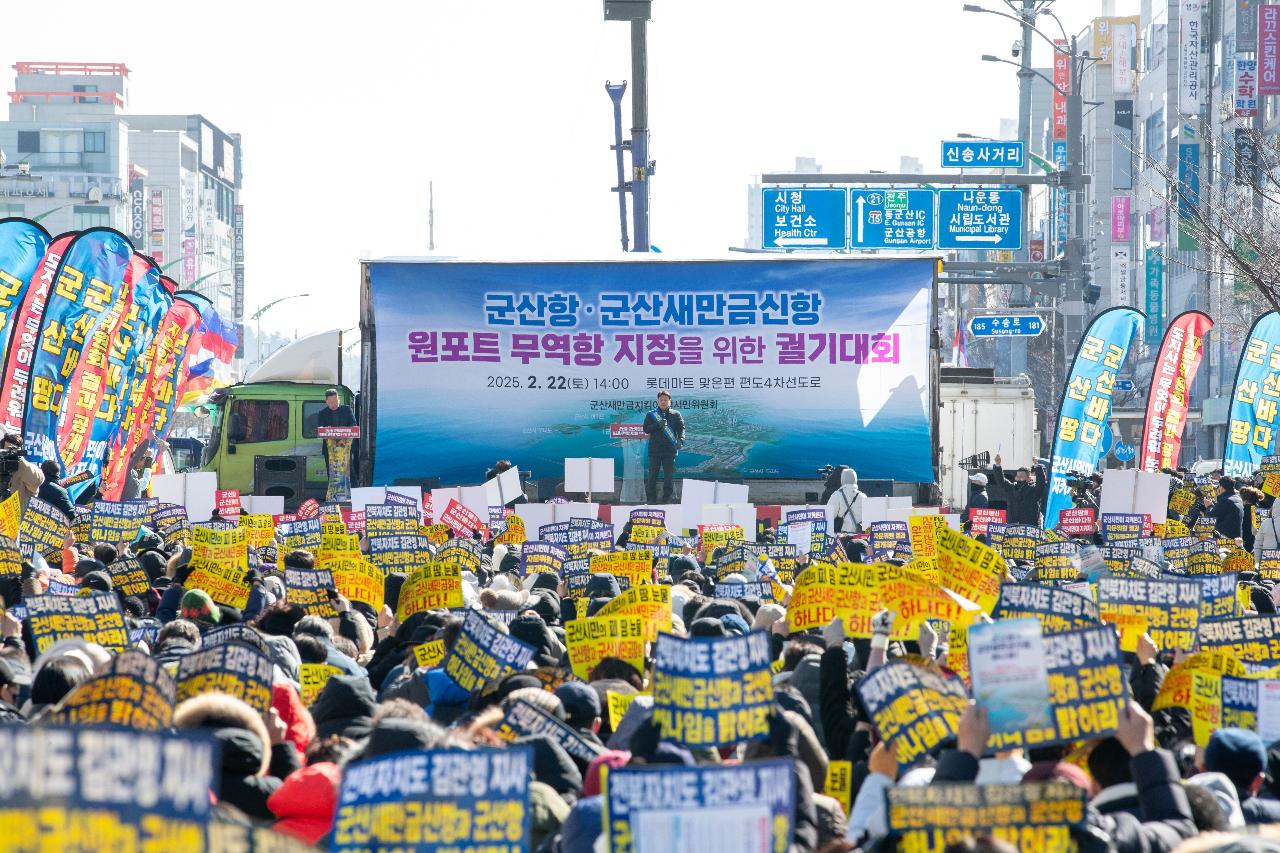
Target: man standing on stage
(339,466)
(665,428)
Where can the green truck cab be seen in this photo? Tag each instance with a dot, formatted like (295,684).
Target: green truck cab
(264,442)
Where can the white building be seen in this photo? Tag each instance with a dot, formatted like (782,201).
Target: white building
(74,159)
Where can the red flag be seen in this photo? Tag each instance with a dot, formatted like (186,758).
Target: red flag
(166,353)
(1171,379)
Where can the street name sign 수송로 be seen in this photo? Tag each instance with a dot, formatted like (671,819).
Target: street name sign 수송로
(1006,326)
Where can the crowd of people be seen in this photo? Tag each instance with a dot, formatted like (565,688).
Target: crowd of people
(1149,786)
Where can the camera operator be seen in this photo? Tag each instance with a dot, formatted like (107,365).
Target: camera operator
(16,473)
(1084,491)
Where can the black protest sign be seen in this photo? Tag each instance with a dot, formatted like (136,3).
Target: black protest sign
(310,588)
(94,618)
(133,691)
(233,668)
(128,577)
(43,529)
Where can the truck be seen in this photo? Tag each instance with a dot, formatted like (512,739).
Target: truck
(983,413)
(781,365)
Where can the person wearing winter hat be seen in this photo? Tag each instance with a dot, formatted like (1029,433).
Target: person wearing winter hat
(767,615)
(977,499)
(199,608)
(531,629)
(546,603)
(581,708)
(1242,757)
(603,585)
(96,582)
(844,507)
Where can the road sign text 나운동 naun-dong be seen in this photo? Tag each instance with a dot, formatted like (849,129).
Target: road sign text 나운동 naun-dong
(980,218)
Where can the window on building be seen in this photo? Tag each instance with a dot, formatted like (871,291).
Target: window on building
(254,421)
(61,147)
(85,87)
(91,216)
(28,142)
(95,142)
(188,159)
(311,418)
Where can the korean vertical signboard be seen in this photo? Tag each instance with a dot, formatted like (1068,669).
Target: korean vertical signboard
(1061,86)
(1153,267)
(1188,189)
(238,307)
(157,211)
(1190,43)
(1269,49)
(1121,205)
(1246,100)
(1122,150)
(137,206)
(1246,25)
(1121,287)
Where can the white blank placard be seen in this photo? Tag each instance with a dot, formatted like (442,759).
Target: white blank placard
(262,504)
(194,490)
(365,495)
(476,499)
(535,516)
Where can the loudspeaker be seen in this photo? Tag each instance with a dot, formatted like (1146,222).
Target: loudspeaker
(285,476)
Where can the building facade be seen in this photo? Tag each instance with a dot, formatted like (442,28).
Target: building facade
(75,158)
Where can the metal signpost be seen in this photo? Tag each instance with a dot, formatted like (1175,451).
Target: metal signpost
(980,218)
(1006,326)
(892,219)
(808,218)
(983,154)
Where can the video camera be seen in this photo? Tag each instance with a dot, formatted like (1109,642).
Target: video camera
(11,453)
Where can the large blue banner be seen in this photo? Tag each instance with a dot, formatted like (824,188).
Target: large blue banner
(151,301)
(22,245)
(87,285)
(1251,422)
(779,366)
(1086,404)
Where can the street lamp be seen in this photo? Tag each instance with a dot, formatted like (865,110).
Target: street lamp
(257,317)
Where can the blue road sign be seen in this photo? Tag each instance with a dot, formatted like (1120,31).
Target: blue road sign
(983,154)
(803,218)
(1006,326)
(980,218)
(1123,385)
(1124,452)
(891,219)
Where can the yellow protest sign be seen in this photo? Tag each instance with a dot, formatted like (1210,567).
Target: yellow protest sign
(839,783)
(595,638)
(635,566)
(1206,705)
(650,602)
(514,534)
(913,597)
(10,516)
(970,568)
(1238,560)
(259,529)
(429,654)
(355,577)
(618,705)
(225,584)
(1175,529)
(433,586)
(719,535)
(823,592)
(314,677)
(1175,690)
(958,645)
(226,547)
(1271,485)
(340,543)
(437,534)
(1131,627)
(924,534)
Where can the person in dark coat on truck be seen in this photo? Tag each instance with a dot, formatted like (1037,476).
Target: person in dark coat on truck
(1024,492)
